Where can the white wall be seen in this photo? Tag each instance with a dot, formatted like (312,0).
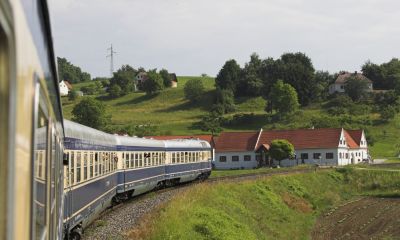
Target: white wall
(63,89)
(235,165)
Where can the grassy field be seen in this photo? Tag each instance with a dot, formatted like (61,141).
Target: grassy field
(225,173)
(173,115)
(279,207)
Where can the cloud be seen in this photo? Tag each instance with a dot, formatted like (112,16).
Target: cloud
(190,37)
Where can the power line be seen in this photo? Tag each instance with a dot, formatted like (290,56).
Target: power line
(111,56)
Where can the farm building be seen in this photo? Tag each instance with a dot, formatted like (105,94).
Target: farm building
(339,84)
(328,146)
(65,87)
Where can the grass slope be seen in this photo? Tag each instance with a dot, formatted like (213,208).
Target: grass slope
(173,115)
(280,207)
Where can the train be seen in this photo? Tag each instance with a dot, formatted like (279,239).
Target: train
(57,176)
(103,169)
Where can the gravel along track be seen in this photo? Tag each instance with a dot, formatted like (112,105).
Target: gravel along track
(364,218)
(115,222)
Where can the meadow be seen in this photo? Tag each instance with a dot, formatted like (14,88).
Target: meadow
(278,207)
(172,114)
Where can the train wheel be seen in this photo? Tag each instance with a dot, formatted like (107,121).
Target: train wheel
(76,234)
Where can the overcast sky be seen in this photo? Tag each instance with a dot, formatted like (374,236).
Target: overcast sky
(191,37)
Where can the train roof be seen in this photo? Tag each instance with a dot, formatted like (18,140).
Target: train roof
(136,143)
(88,135)
(186,144)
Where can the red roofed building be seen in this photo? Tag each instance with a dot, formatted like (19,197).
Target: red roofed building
(328,146)
(340,82)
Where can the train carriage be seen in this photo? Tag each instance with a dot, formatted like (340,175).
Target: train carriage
(187,160)
(31,131)
(141,166)
(90,179)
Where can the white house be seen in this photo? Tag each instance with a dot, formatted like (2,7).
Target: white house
(65,87)
(328,146)
(338,85)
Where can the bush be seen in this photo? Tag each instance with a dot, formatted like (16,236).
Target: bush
(115,91)
(72,95)
(153,84)
(91,113)
(387,113)
(194,90)
(226,99)
(90,89)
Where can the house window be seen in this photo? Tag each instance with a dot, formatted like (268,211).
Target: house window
(341,87)
(235,158)
(222,158)
(347,155)
(317,155)
(247,157)
(329,155)
(304,156)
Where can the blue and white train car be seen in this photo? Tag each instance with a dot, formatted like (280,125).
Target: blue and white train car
(103,168)
(91,178)
(142,165)
(187,160)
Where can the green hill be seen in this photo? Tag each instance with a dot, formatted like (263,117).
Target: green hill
(173,115)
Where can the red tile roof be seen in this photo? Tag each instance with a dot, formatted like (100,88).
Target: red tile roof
(207,138)
(304,138)
(69,86)
(356,135)
(236,141)
(350,141)
(342,78)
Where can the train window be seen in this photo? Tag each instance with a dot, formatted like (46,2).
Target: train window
(91,166)
(127,161)
(173,157)
(132,160)
(40,181)
(96,165)
(72,167)
(85,168)
(78,167)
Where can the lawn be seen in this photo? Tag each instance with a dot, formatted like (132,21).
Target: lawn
(278,207)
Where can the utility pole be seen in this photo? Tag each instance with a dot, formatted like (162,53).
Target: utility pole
(111,56)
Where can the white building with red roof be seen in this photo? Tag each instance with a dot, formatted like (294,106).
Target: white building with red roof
(340,82)
(327,146)
(65,87)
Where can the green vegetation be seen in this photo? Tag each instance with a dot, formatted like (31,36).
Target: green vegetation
(69,72)
(279,207)
(90,112)
(225,173)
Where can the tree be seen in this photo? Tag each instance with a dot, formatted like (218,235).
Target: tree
(92,88)
(125,79)
(91,113)
(356,88)
(281,149)
(211,123)
(228,76)
(70,72)
(194,90)
(226,100)
(154,83)
(384,76)
(250,82)
(322,80)
(166,78)
(115,91)
(284,99)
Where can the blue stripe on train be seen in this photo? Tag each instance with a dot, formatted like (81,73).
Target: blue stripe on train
(78,144)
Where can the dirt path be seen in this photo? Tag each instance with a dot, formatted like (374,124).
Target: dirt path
(364,218)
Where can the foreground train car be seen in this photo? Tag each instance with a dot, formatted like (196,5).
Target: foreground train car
(103,168)
(31,131)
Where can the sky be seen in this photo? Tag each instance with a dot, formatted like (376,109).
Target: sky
(191,37)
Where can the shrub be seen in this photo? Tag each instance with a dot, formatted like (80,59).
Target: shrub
(91,113)
(194,90)
(115,91)
(72,95)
